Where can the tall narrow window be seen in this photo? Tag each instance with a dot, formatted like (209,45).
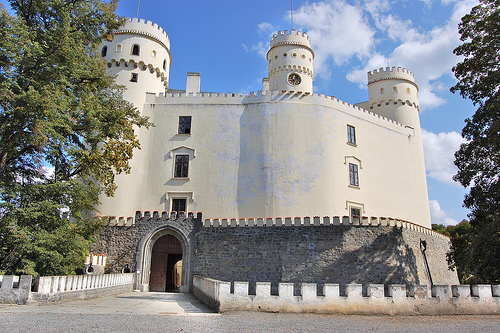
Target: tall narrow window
(165,64)
(178,205)
(351,134)
(185,125)
(181,166)
(104,51)
(118,48)
(353,175)
(135,49)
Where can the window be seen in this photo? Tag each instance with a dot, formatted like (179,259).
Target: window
(355,214)
(118,48)
(134,77)
(181,166)
(353,175)
(165,64)
(351,134)
(135,49)
(153,54)
(394,89)
(178,205)
(104,51)
(185,125)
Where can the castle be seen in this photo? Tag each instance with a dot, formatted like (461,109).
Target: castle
(293,186)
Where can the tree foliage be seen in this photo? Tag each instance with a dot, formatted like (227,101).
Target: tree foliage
(478,160)
(65,131)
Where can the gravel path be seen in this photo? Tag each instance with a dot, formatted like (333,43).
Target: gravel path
(241,322)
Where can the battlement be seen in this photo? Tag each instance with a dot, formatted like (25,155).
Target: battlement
(290,38)
(307,221)
(390,73)
(374,299)
(145,28)
(268,96)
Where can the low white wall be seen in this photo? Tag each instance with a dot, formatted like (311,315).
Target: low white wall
(54,288)
(15,289)
(379,299)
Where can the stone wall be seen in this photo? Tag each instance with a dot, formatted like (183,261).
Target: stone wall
(120,243)
(321,254)
(295,253)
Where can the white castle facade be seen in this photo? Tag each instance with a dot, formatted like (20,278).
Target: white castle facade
(281,151)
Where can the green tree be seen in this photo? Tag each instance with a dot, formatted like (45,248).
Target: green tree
(478,160)
(65,131)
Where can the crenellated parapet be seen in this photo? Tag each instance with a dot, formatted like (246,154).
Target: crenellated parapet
(308,221)
(144,28)
(291,37)
(372,299)
(390,73)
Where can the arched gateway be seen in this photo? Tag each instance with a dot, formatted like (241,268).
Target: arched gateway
(163,260)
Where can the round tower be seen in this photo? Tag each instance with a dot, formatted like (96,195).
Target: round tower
(394,95)
(139,56)
(290,62)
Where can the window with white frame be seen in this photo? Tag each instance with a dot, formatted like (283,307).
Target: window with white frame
(355,214)
(353,175)
(184,125)
(181,166)
(351,134)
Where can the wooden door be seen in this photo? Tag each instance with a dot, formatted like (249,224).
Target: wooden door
(167,250)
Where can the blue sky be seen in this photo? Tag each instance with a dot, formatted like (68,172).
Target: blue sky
(226,42)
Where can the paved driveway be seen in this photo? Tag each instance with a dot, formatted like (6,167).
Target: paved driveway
(131,303)
(171,312)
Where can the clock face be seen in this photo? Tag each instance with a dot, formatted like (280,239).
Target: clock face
(294,79)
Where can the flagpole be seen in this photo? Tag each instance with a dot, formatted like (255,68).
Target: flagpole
(138,9)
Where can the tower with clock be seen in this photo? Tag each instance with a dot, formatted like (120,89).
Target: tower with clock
(290,62)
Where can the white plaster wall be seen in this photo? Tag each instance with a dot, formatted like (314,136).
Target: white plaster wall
(275,155)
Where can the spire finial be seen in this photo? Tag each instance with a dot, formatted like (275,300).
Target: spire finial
(138,9)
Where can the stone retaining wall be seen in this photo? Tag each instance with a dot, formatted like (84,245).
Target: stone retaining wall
(322,254)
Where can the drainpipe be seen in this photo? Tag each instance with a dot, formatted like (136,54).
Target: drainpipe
(423,247)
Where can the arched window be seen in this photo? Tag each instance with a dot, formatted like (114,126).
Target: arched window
(394,89)
(165,64)
(408,91)
(104,51)
(153,54)
(381,90)
(135,49)
(118,48)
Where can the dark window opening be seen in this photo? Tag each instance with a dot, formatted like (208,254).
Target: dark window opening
(104,51)
(135,49)
(178,205)
(351,134)
(185,125)
(353,175)
(181,166)
(134,77)
(355,215)
(165,64)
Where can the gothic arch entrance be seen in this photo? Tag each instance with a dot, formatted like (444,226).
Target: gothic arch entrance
(166,264)
(164,260)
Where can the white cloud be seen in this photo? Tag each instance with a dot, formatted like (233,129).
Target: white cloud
(337,30)
(439,150)
(439,216)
